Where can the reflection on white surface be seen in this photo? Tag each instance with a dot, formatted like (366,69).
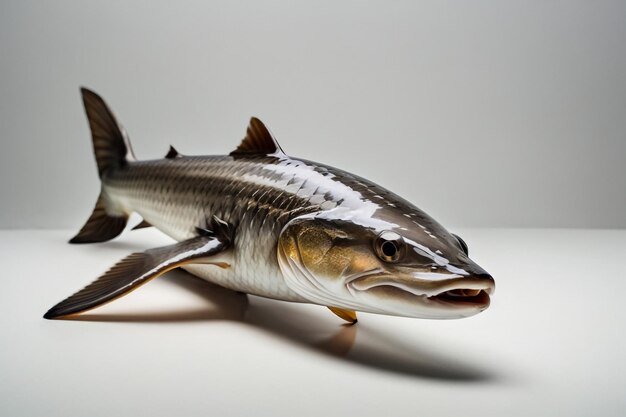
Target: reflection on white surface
(180,346)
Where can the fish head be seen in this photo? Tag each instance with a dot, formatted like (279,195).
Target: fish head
(389,263)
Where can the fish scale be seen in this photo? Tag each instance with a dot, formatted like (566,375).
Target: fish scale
(264,223)
(177,196)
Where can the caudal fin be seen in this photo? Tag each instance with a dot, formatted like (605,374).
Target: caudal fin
(100,226)
(112,151)
(111,145)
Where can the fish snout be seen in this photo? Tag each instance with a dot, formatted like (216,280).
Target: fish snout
(486,281)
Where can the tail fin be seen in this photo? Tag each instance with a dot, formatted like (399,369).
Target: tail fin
(110,141)
(112,150)
(100,226)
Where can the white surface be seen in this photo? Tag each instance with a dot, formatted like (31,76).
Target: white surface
(552,342)
(516,107)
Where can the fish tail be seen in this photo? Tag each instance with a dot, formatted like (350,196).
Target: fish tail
(112,150)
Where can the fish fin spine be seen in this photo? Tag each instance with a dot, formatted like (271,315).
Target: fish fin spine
(219,229)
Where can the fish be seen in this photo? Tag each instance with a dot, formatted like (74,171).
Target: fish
(260,222)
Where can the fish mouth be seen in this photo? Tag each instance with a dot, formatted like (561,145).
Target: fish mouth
(464,296)
(472,292)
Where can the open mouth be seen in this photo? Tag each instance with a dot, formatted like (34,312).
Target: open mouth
(471,293)
(464,296)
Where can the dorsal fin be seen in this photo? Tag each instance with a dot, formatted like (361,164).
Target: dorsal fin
(258,140)
(172,153)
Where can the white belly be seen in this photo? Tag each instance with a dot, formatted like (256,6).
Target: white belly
(257,281)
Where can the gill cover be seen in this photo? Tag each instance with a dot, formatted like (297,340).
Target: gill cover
(318,257)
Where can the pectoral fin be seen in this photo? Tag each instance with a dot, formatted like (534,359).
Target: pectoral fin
(347,315)
(137,269)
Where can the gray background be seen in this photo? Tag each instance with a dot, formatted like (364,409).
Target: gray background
(482,113)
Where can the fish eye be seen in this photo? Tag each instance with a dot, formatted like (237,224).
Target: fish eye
(462,243)
(389,246)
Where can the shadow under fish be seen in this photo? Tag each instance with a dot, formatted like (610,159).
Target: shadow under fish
(374,349)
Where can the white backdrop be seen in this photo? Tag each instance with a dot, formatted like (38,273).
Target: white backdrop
(482,113)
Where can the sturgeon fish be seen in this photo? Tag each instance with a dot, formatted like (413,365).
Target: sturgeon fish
(261,222)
